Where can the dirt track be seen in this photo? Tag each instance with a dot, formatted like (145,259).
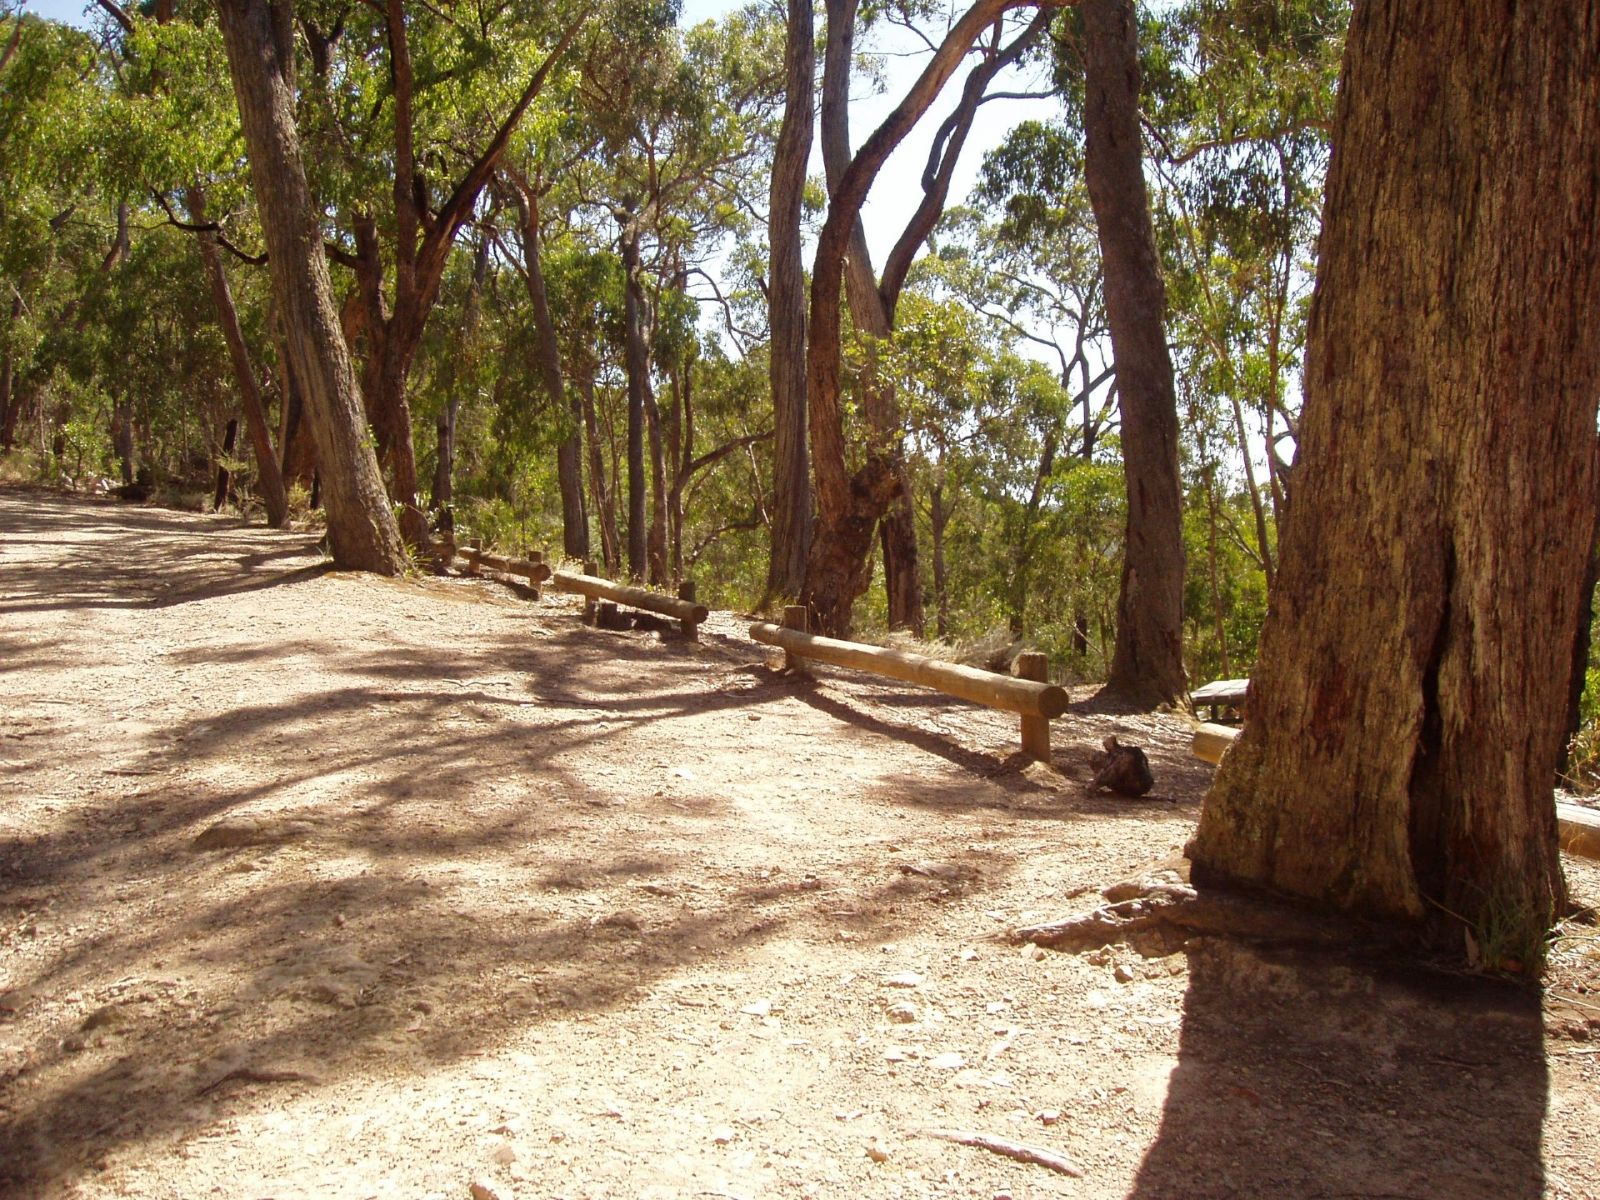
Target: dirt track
(492,896)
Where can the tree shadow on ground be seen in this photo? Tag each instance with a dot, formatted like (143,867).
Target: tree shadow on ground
(1305,1074)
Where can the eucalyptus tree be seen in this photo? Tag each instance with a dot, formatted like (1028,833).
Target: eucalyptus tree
(851,505)
(687,130)
(361,529)
(1410,698)
(54,223)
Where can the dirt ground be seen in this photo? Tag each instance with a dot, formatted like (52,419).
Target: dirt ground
(318,885)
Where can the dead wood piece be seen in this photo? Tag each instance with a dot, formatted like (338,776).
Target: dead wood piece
(1100,926)
(1123,769)
(259,1075)
(1020,1151)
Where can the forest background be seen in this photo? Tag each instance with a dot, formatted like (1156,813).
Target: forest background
(615,261)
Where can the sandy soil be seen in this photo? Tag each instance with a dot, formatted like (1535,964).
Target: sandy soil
(318,885)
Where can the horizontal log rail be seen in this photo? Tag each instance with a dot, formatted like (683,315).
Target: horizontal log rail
(683,609)
(1579,826)
(533,568)
(1034,700)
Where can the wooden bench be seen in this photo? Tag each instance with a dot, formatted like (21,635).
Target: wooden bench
(1221,694)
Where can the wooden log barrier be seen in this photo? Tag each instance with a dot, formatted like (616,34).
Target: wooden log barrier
(533,568)
(1579,827)
(1030,698)
(688,613)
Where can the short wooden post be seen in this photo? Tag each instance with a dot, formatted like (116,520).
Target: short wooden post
(1035,730)
(691,629)
(588,601)
(795,616)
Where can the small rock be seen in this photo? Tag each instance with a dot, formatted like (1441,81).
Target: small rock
(504,1154)
(102,1018)
(1032,953)
(758,1009)
(904,979)
(902,1013)
(481,1189)
(949,1061)
(1049,1116)
(896,1054)
(722,1135)
(876,1151)
(1123,973)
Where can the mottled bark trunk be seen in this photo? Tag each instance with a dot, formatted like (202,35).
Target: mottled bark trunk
(605,506)
(1407,705)
(569,454)
(1147,664)
(790,510)
(269,477)
(361,529)
(636,355)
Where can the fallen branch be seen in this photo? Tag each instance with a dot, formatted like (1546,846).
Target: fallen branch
(1004,1146)
(258,1075)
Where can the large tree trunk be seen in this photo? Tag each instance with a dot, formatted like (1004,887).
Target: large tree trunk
(1147,664)
(637,364)
(1408,704)
(269,478)
(786,308)
(361,529)
(10,395)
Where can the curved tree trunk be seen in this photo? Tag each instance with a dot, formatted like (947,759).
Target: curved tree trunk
(786,308)
(269,478)
(1408,705)
(1147,664)
(361,529)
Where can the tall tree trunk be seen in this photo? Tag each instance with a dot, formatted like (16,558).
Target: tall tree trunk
(10,394)
(786,313)
(269,478)
(938,519)
(1408,704)
(605,506)
(1147,664)
(122,441)
(443,490)
(637,356)
(259,41)
(569,454)
(849,505)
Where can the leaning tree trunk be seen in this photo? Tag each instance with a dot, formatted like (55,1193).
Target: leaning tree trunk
(786,308)
(1147,664)
(269,476)
(1408,704)
(361,529)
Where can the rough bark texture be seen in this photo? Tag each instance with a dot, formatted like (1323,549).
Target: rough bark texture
(1147,663)
(786,308)
(1407,708)
(361,529)
(850,505)
(637,356)
(269,478)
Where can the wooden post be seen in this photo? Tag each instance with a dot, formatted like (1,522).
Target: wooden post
(588,601)
(691,629)
(795,616)
(1035,730)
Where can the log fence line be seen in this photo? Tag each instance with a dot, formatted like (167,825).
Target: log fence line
(1579,827)
(682,608)
(1028,693)
(1034,700)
